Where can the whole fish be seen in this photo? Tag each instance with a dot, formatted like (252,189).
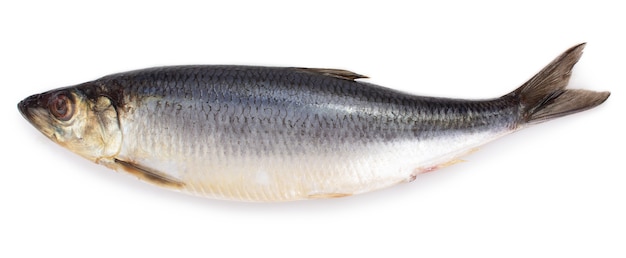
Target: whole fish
(280,134)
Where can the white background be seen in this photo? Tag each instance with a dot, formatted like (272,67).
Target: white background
(555,190)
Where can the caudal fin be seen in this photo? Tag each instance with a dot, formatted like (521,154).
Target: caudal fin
(544,96)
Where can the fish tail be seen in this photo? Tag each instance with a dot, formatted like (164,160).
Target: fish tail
(544,96)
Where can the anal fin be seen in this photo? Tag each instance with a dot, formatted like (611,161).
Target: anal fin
(150,175)
(456,160)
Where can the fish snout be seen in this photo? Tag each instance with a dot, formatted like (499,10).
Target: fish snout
(29,103)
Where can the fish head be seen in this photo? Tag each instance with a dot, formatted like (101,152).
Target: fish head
(86,125)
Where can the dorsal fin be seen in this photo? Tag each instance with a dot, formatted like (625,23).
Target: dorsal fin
(337,73)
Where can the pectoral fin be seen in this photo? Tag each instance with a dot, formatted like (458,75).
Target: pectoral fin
(150,175)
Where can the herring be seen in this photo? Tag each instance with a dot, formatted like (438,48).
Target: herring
(281,134)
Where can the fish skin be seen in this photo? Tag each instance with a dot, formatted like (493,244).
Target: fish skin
(281,134)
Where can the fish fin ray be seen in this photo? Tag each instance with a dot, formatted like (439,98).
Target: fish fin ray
(150,175)
(327,195)
(544,96)
(336,73)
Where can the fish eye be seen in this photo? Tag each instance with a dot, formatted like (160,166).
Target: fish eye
(61,106)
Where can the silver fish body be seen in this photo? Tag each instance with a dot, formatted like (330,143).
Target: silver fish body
(280,134)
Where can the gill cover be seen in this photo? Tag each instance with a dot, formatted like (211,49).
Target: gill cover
(107,118)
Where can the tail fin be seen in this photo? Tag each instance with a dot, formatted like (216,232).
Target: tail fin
(544,96)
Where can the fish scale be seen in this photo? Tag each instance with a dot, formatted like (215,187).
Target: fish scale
(283,133)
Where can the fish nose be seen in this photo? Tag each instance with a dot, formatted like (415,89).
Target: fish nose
(30,102)
(22,107)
